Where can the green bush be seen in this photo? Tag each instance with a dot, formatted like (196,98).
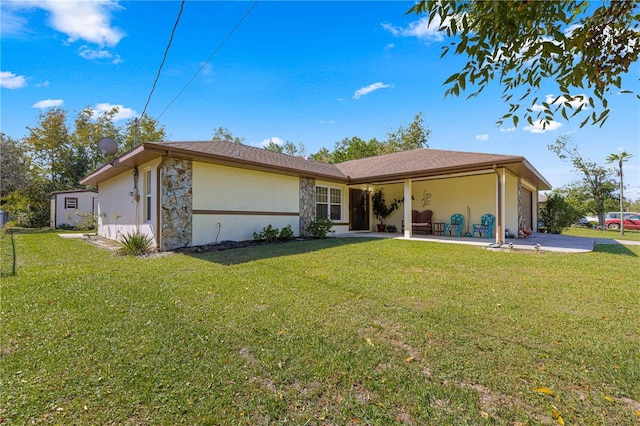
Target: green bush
(135,244)
(286,233)
(268,234)
(319,228)
(557,214)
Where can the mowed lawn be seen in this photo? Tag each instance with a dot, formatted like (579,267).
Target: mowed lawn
(329,332)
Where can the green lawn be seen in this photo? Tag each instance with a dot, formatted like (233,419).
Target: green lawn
(338,331)
(629,235)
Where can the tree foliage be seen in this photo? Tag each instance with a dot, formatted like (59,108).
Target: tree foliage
(414,136)
(149,130)
(557,214)
(595,178)
(224,134)
(54,156)
(525,44)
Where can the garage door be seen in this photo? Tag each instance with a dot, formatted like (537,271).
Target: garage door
(527,210)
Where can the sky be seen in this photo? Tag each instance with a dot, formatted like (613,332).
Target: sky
(311,73)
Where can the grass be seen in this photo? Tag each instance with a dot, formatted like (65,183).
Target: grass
(629,235)
(339,331)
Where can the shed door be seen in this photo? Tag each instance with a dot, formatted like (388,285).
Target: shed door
(527,209)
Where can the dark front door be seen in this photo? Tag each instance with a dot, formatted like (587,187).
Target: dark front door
(358,210)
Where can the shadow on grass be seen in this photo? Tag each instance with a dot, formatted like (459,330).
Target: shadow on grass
(237,256)
(613,249)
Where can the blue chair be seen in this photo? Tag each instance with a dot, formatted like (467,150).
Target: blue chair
(485,226)
(455,227)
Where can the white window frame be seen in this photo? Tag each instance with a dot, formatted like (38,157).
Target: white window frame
(330,201)
(147,195)
(71,202)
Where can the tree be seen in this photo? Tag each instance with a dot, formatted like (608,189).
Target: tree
(223,134)
(89,129)
(149,130)
(524,44)
(579,197)
(14,166)
(404,139)
(414,136)
(595,178)
(620,158)
(48,146)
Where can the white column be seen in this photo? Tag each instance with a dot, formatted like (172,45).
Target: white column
(407,208)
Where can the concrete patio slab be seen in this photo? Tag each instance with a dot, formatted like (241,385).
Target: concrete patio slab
(537,241)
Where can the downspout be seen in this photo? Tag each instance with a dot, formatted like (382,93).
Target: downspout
(158,201)
(499,202)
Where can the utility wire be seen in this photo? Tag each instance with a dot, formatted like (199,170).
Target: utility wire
(210,57)
(164,58)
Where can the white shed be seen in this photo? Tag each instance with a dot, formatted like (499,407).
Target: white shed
(65,206)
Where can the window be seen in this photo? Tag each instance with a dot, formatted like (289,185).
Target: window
(328,203)
(70,203)
(147,194)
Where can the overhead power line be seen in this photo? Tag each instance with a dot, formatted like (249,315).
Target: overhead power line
(210,57)
(164,58)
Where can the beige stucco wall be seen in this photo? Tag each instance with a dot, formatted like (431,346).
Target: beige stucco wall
(119,213)
(85,205)
(248,196)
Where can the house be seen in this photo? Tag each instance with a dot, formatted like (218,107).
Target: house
(65,206)
(195,193)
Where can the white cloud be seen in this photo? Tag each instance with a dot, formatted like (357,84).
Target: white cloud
(274,139)
(10,23)
(122,114)
(43,84)
(88,20)
(507,129)
(9,80)
(370,88)
(421,29)
(483,137)
(539,127)
(94,54)
(47,103)
(326,121)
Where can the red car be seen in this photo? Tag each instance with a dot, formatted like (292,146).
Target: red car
(630,222)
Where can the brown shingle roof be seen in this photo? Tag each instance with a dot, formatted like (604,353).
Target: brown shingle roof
(407,164)
(248,155)
(420,161)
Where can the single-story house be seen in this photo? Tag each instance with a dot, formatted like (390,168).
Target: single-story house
(195,193)
(65,206)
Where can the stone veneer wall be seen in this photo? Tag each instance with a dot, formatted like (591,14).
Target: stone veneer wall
(176,203)
(307,203)
(520,221)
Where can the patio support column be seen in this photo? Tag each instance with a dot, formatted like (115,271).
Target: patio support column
(407,208)
(501,180)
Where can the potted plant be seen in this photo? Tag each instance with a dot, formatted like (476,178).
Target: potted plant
(380,208)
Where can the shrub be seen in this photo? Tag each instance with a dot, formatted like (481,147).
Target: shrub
(135,244)
(557,214)
(286,233)
(268,234)
(84,221)
(319,228)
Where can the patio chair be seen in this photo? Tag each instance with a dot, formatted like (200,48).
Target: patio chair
(485,226)
(455,227)
(421,221)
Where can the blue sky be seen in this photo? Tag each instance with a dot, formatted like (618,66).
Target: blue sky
(306,72)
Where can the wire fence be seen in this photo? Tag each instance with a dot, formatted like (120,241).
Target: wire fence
(8,259)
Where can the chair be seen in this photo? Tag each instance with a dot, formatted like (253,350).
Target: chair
(421,221)
(455,227)
(485,225)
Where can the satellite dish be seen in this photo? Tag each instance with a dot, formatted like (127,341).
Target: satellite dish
(107,147)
